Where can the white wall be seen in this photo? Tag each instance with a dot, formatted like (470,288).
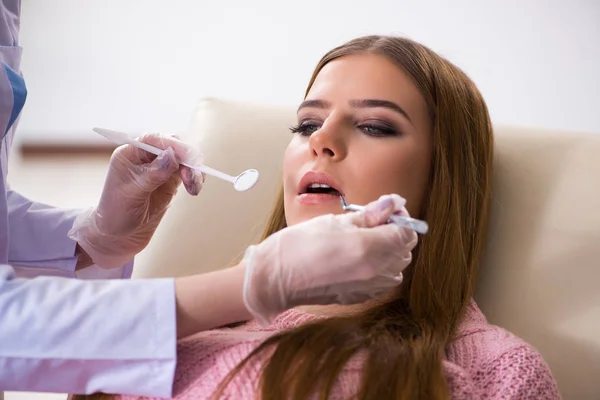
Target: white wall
(143,65)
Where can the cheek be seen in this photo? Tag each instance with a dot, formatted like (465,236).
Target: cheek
(292,162)
(396,171)
(413,182)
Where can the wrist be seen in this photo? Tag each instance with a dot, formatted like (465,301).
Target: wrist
(101,250)
(261,294)
(83,258)
(210,300)
(238,278)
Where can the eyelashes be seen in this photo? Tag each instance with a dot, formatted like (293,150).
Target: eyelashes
(306,128)
(378,130)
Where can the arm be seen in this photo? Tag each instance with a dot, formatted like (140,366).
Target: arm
(39,243)
(118,336)
(221,295)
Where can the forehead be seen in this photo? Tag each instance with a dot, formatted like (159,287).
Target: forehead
(366,76)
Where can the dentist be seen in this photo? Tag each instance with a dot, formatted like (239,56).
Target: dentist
(115,335)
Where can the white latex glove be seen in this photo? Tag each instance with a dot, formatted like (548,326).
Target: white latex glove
(137,191)
(331,259)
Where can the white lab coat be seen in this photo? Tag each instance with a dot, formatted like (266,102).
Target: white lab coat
(59,334)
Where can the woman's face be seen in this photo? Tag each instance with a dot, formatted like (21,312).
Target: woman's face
(363,131)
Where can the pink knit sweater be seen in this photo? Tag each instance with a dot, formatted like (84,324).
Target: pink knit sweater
(483,362)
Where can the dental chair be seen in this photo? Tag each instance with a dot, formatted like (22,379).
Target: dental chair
(541,269)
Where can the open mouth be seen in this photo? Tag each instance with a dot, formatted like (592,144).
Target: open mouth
(321,188)
(317,187)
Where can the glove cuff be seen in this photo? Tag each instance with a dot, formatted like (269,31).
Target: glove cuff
(102,249)
(255,294)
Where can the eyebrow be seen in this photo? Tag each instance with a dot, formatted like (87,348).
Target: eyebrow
(314,104)
(367,103)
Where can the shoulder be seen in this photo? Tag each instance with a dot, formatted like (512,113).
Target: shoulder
(515,372)
(501,364)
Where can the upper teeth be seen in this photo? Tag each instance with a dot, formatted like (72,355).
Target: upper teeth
(319,185)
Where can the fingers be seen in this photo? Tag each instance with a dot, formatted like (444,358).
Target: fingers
(394,239)
(160,171)
(154,171)
(377,212)
(192,179)
(183,152)
(387,238)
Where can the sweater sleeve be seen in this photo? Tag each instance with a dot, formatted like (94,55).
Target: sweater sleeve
(519,374)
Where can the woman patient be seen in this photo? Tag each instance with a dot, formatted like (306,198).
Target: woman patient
(381,115)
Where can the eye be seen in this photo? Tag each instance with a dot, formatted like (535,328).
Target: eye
(378,130)
(306,128)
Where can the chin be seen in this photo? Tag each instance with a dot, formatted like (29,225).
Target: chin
(301,214)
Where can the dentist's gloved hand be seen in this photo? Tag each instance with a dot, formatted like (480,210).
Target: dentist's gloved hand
(137,191)
(331,259)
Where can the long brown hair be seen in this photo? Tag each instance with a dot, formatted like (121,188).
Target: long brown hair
(404,337)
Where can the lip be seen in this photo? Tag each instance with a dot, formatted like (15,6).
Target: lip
(317,198)
(317,177)
(314,198)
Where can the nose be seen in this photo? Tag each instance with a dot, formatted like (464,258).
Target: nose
(328,141)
